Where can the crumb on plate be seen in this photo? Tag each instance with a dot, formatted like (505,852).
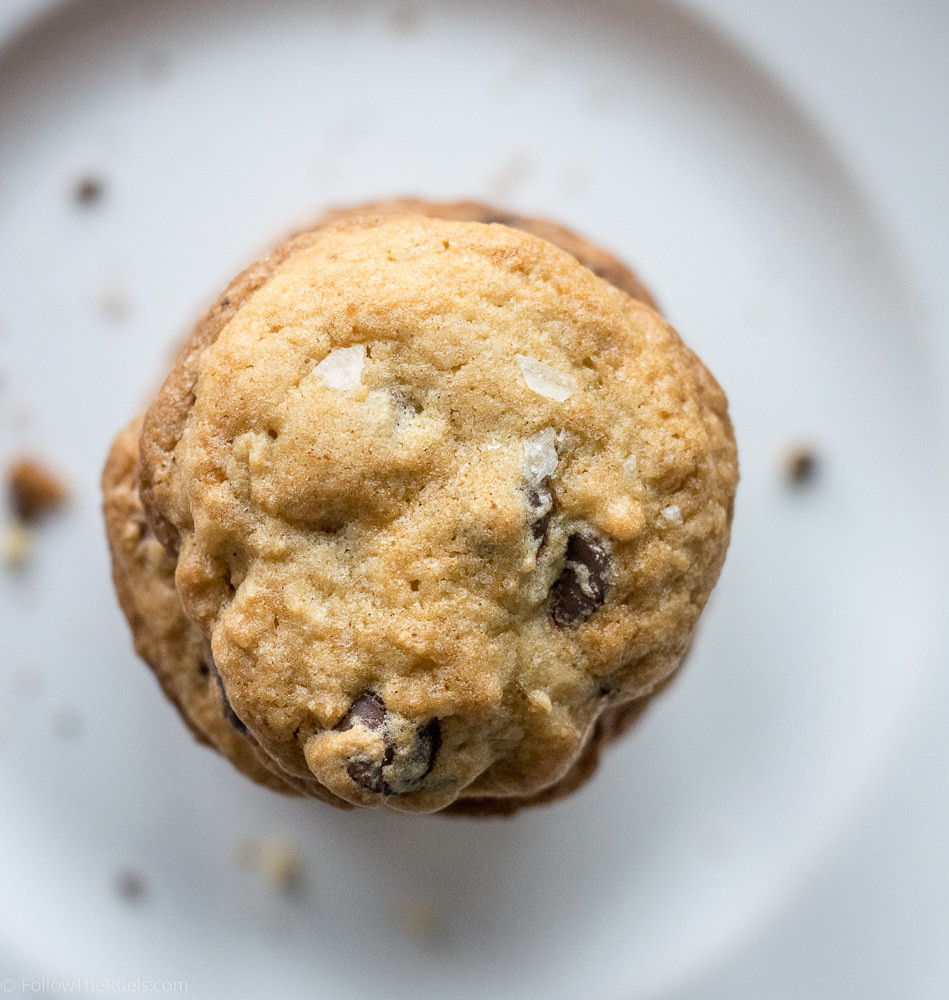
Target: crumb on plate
(800,465)
(88,190)
(16,544)
(34,489)
(419,920)
(130,885)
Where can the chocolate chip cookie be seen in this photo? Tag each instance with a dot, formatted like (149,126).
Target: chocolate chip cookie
(426,512)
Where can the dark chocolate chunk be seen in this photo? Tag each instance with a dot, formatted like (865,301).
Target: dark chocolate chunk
(581,587)
(367,774)
(232,717)
(367,710)
(405,407)
(428,740)
(501,218)
(540,507)
(390,776)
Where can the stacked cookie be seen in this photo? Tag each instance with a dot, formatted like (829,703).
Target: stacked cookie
(426,512)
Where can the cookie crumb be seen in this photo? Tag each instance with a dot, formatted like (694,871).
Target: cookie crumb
(420,920)
(276,859)
(114,305)
(16,547)
(88,191)
(800,465)
(281,864)
(34,490)
(130,885)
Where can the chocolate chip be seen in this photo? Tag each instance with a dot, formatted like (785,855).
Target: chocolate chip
(368,774)
(367,710)
(413,758)
(581,587)
(402,768)
(540,506)
(405,406)
(428,739)
(500,218)
(232,717)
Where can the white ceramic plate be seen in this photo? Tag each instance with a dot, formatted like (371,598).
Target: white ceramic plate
(214,128)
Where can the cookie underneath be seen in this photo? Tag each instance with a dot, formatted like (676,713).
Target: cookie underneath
(426,512)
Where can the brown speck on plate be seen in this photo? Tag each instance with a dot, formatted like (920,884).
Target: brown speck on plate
(280,864)
(130,885)
(800,465)
(114,305)
(34,490)
(420,920)
(276,858)
(88,190)
(406,18)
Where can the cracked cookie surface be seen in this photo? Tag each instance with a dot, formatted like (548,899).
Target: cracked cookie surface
(443,505)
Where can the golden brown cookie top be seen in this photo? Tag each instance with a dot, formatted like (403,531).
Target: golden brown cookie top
(440,496)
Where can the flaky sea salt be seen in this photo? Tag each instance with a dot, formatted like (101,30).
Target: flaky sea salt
(540,699)
(629,467)
(342,368)
(672,513)
(540,456)
(545,380)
